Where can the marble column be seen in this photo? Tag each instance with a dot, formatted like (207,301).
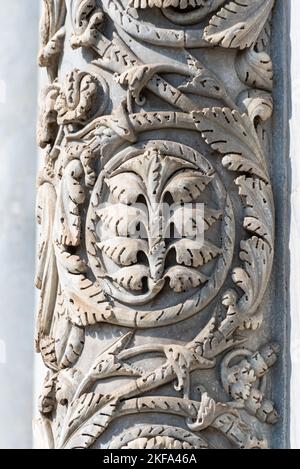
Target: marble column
(162,319)
(295,223)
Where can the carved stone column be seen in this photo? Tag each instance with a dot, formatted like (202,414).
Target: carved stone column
(157,114)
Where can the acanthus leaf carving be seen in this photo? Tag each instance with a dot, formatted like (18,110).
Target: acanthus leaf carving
(243,152)
(255,69)
(238,24)
(257,104)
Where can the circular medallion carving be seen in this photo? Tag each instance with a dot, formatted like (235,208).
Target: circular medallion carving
(158,226)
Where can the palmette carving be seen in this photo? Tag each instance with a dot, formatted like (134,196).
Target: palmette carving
(137,150)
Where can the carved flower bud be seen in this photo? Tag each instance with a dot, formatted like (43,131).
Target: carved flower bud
(267,412)
(270,353)
(258,364)
(254,401)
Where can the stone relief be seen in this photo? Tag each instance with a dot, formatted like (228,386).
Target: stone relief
(170,113)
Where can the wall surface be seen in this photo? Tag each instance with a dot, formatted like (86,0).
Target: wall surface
(18,91)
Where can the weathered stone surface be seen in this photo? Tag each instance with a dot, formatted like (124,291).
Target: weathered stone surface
(156,109)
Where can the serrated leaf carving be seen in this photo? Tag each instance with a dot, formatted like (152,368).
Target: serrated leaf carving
(90,421)
(183,279)
(206,414)
(259,211)
(258,105)
(257,259)
(238,24)
(122,221)
(255,69)
(125,188)
(234,136)
(195,253)
(123,251)
(187,187)
(131,278)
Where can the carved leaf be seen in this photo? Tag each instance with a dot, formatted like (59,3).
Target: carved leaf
(181,359)
(255,69)
(239,23)
(87,19)
(47,350)
(155,169)
(43,433)
(203,82)
(253,323)
(211,217)
(206,414)
(257,257)
(233,135)
(72,263)
(122,220)
(123,251)
(154,173)
(257,104)
(131,278)
(125,187)
(195,253)
(71,195)
(69,342)
(263,39)
(190,221)
(183,279)
(186,186)
(91,414)
(47,400)
(52,19)
(241,379)
(259,210)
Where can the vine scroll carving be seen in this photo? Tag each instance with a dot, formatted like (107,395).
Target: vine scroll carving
(156,115)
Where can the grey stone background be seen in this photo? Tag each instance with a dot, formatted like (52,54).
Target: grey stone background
(18,97)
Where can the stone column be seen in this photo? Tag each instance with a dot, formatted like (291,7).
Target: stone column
(295,223)
(18,84)
(160,308)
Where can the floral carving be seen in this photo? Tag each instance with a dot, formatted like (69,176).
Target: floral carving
(152,176)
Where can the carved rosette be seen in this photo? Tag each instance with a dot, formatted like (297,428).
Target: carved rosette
(164,126)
